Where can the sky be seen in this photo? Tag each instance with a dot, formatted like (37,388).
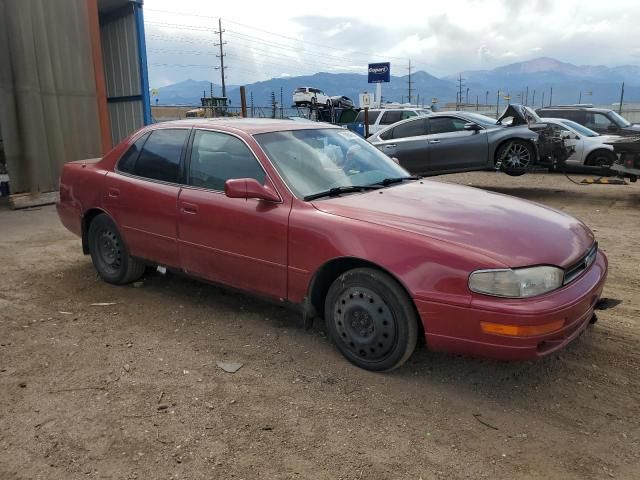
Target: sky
(290,38)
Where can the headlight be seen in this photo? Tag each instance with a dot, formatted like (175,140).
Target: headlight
(516,283)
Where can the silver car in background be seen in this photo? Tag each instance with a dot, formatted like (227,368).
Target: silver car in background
(447,142)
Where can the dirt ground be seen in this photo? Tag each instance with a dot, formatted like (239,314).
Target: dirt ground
(132,390)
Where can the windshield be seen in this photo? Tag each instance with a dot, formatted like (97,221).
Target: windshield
(581,129)
(481,119)
(619,120)
(315,160)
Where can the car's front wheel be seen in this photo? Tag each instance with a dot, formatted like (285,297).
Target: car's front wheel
(371,319)
(601,158)
(109,254)
(515,157)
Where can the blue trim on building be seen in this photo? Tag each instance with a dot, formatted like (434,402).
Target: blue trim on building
(142,60)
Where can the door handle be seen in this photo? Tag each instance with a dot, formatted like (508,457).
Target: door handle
(113,193)
(189,208)
(390,145)
(434,141)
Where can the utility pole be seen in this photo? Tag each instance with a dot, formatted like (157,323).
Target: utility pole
(467,97)
(551,97)
(410,89)
(621,99)
(281,105)
(221,56)
(486,98)
(497,103)
(460,85)
(526,101)
(533,100)
(580,97)
(542,103)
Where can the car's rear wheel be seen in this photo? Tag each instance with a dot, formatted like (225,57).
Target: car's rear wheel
(371,319)
(515,157)
(600,158)
(109,254)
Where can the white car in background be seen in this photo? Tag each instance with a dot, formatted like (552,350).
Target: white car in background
(590,147)
(303,96)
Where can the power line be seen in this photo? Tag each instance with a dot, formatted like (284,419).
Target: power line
(338,49)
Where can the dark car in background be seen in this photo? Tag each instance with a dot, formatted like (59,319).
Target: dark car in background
(448,142)
(341,101)
(602,120)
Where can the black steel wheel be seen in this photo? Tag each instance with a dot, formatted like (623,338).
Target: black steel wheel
(515,157)
(371,319)
(601,158)
(109,254)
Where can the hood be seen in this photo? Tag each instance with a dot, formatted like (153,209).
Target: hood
(512,232)
(519,115)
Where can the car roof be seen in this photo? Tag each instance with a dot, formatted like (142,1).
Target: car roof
(250,126)
(581,108)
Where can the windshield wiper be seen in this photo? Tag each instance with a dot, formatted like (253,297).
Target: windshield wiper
(391,180)
(332,192)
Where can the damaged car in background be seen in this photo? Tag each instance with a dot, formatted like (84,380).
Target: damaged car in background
(448,142)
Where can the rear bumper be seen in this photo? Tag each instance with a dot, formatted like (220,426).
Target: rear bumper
(457,329)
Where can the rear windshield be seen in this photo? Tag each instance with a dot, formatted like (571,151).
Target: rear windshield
(373,116)
(301,90)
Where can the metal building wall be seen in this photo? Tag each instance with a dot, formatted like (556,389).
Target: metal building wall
(123,53)
(48,107)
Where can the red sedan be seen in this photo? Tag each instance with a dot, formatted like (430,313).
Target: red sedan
(313,216)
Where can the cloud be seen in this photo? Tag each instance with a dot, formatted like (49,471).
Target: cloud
(476,34)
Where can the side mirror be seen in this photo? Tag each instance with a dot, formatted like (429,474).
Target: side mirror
(249,188)
(395,159)
(471,127)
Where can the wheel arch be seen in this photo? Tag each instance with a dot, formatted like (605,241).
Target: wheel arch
(499,144)
(598,150)
(87,218)
(327,273)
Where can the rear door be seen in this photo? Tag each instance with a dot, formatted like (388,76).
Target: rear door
(451,147)
(234,241)
(142,194)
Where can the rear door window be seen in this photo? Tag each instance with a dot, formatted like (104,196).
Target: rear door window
(128,160)
(160,155)
(414,128)
(217,157)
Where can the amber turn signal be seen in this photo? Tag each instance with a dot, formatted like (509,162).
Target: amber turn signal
(521,330)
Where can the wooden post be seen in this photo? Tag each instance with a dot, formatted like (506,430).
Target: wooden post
(243,101)
(366,122)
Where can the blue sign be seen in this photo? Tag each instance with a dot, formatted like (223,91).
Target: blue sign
(379,72)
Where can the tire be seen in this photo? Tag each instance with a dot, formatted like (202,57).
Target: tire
(515,157)
(600,158)
(371,320)
(109,254)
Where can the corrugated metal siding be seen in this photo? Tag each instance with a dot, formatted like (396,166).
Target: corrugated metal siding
(125,118)
(48,107)
(120,54)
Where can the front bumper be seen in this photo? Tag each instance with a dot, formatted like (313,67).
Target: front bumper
(457,329)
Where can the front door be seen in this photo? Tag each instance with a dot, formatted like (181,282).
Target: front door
(233,241)
(451,147)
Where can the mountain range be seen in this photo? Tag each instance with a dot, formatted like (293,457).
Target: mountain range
(599,84)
